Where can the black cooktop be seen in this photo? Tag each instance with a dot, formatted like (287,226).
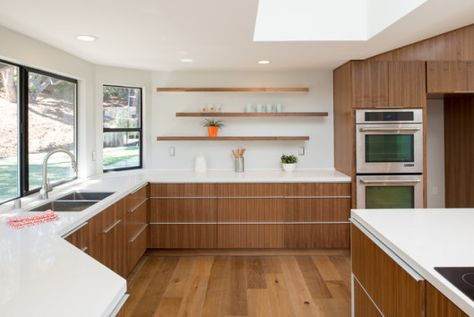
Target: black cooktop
(461,277)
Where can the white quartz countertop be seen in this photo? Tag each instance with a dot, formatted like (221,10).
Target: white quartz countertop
(425,239)
(41,274)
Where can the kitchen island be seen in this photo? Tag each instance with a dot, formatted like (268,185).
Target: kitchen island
(394,255)
(42,274)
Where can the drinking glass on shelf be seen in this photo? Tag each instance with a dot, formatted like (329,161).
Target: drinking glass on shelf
(279,107)
(269,107)
(259,107)
(248,107)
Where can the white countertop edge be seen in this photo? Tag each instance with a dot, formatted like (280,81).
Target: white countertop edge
(118,300)
(433,277)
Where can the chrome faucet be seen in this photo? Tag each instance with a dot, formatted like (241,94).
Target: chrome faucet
(46,187)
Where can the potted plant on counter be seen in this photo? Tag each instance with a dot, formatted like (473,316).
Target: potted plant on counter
(288,162)
(213,126)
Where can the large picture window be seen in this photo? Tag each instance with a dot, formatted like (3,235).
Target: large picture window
(122,117)
(38,115)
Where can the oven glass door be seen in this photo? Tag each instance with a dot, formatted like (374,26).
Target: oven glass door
(383,149)
(389,191)
(387,148)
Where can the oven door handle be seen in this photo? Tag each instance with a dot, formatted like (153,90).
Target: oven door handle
(390,181)
(389,129)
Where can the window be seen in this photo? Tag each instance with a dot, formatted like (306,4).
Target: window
(38,115)
(122,117)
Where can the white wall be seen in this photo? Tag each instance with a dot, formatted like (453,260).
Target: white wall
(435,153)
(319,150)
(123,77)
(23,50)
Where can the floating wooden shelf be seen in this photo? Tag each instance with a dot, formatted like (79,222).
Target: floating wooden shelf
(234,89)
(251,114)
(233,138)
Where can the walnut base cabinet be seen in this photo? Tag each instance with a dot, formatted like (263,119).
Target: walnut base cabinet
(438,305)
(250,215)
(79,237)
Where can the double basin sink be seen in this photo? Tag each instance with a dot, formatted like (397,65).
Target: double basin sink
(74,202)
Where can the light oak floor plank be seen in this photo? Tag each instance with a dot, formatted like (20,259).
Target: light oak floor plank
(243,283)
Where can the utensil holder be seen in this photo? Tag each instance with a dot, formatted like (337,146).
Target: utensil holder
(239,166)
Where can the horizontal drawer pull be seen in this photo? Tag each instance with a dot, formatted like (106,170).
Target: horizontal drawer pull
(84,249)
(116,223)
(255,223)
(138,233)
(138,206)
(257,197)
(138,189)
(75,229)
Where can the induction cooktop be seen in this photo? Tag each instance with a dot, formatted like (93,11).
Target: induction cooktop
(461,277)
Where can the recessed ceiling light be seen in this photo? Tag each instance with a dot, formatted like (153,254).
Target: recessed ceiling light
(186,60)
(86,38)
(263,62)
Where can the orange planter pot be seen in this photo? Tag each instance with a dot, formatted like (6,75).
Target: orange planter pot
(212,131)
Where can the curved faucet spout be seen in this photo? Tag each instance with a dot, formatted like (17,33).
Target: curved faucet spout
(46,187)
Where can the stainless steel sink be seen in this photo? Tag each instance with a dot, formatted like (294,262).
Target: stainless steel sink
(73,206)
(90,196)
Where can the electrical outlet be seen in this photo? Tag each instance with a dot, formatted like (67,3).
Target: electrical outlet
(301,150)
(172,151)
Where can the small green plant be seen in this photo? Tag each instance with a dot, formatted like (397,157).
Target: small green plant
(289,159)
(213,123)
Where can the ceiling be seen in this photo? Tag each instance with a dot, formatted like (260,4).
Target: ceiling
(215,34)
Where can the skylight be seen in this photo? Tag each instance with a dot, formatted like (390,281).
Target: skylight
(328,20)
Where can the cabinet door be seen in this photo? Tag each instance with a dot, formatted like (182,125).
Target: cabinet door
(407,84)
(370,84)
(363,305)
(80,237)
(446,77)
(470,76)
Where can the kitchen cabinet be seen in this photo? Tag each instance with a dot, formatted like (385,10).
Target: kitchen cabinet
(388,84)
(136,226)
(390,287)
(450,76)
(363,305)
(107,237)
(438,305)
(250,215)
(79,237)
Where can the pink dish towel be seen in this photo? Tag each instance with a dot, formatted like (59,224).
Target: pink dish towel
(26,221)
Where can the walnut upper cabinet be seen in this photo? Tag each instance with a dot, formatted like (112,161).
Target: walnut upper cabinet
(450,77)
(388,84)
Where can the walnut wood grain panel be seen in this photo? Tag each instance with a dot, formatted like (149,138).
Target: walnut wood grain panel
(183,210)
(135,219)
(363,306)
(296,236)
(182,190)
(182,236)
(459,151)
(454,45)
(446,77)
(283,210)
(80,238)
(283,189)
(407,84)
(134,199)
(136,247)
(394,291)
(370,84)
(438,305)
(470,76)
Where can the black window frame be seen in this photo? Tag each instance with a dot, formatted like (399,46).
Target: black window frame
(139,129)
(23,106)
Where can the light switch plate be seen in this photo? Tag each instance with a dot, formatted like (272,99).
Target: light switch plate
(301,150)
(172,151)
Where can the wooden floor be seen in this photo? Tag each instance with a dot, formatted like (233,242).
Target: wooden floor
(241,283)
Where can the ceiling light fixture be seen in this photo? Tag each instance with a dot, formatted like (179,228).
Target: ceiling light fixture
(86,38)
(264,62)
(186,60)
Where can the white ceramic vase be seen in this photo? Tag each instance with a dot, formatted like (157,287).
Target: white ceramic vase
(288,167)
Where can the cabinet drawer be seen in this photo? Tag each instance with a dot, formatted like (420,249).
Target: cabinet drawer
(136,198)
(363,305)
(177,236)
(284,210)
(285,190)
(79,237)
(393,289)
(183,210)
(295,236)
(136,218)
(136,247)
(182,190)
